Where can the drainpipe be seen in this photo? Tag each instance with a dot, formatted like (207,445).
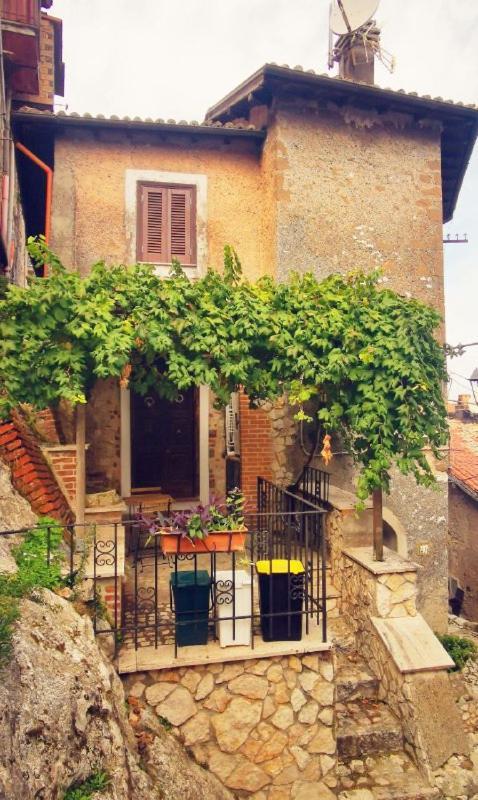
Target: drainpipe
(49,185)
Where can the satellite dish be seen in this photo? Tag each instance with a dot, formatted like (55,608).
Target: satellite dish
(348,15)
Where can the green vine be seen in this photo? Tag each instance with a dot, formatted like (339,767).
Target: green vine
(370,352)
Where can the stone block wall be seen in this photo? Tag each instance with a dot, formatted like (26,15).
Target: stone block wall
(390,595)
(264,727)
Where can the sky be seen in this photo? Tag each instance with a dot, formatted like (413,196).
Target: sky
(175,58)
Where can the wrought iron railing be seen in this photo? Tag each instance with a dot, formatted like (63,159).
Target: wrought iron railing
(244,601)
(314,485)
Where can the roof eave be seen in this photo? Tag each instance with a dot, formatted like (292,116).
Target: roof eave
(463,486)
(63,120)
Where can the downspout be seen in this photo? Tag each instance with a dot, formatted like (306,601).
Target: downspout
(49,187)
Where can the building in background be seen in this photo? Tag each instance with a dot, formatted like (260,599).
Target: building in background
(31,70)
(463,508)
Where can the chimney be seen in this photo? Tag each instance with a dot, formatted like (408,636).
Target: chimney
(462,409)
(356,54)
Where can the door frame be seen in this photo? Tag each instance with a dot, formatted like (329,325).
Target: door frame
(203,442)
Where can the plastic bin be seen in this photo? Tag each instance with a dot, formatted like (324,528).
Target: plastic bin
(191,591)
(281,592)
(239,632)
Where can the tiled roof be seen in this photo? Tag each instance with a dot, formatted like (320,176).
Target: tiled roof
(458,122)
(464,454)
(209,126)
(285,70)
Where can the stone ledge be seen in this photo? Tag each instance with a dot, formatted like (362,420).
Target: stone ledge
(60,448)
(149,658)
(392,562)
(412,644)
(345,501)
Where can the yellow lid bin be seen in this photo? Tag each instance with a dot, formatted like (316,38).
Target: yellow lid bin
(279,566)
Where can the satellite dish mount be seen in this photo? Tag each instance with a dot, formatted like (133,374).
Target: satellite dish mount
(358,42)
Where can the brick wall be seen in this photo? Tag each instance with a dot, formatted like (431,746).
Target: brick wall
(62,460)
(32,476)
(45,426)
(256,449)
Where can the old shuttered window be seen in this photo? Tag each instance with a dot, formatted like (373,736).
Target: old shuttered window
(166,223)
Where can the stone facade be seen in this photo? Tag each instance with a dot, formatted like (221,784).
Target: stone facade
(376,600)
(418,518)
(340,189)
(463,553)
(264,727)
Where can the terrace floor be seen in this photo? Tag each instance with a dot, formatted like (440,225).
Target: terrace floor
(148,620)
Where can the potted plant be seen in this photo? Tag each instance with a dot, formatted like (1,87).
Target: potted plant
(207,529)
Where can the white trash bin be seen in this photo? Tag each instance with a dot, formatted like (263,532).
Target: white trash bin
(225,606)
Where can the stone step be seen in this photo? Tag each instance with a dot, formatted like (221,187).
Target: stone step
(385,777)
(354,679)
(366,727)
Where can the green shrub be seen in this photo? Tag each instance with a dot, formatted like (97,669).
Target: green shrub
(39,560)
(459,649)
(97,782)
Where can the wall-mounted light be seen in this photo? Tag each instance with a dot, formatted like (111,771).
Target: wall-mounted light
(474,384)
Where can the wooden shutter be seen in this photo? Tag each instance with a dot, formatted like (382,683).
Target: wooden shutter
(167,224)
(152,228)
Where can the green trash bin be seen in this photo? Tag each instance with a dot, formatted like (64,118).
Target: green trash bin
(191,591)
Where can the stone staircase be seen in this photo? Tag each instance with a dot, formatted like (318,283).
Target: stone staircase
(373,764)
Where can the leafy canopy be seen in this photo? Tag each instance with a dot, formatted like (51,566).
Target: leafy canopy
(369,352)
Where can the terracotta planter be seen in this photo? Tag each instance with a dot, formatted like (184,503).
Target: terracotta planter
(215,542)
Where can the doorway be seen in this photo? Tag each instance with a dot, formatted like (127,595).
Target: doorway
(164,444)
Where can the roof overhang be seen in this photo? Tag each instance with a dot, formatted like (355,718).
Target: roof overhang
(61,120)
(459,123)
(463,486)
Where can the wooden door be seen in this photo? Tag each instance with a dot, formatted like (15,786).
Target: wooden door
(164,444)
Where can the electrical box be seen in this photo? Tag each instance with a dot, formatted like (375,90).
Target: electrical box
(233,447)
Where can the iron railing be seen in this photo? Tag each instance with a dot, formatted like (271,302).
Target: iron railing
(142,605)
(314,485)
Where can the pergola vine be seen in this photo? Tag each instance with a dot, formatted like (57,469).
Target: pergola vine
(370,352)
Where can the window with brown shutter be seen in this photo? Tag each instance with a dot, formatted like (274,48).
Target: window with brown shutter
(166,223)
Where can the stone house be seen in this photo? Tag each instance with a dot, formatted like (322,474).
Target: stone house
(298,171)
(463,508)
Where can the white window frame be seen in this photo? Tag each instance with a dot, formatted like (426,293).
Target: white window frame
(133,177)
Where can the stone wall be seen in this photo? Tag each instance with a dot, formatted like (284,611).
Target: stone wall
(264,727)
(378,600)
(89,219)
(356,189)
(103,435)
(462,548)
(419,518)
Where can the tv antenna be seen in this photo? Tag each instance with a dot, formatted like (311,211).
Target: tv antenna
(358,39)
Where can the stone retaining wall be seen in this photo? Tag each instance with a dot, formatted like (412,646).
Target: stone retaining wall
(264,727)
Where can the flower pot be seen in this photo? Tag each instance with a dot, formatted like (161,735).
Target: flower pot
(215,542)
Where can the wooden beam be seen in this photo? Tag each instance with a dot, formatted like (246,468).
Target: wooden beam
(378,525)
(80,463)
